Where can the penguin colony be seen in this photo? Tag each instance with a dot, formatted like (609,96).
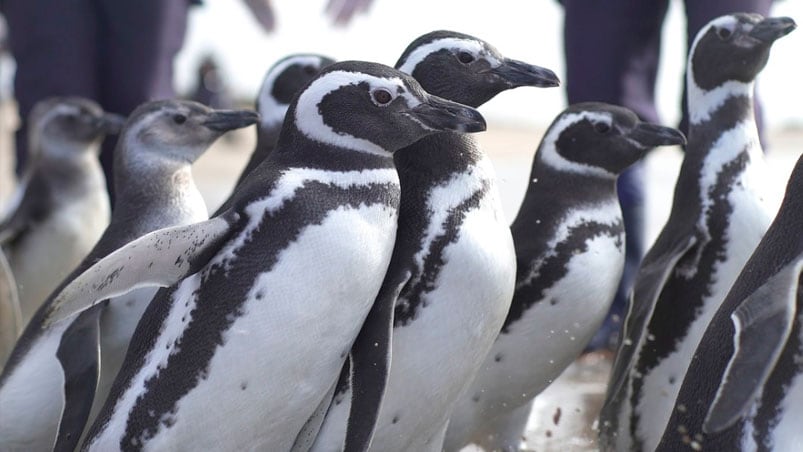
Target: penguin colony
(360,288)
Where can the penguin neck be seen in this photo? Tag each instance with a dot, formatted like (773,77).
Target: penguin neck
(162,191)
(267,136)
(724,127)
(436,157)
(554,190)
(295,149)
(76,168)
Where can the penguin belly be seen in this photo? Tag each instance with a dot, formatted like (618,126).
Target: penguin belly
(538,347)
(280,356)
(46,255)
(31,398)
(438,353)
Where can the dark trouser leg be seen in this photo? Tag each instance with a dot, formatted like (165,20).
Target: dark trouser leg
(143,38)
(698,14)
(612,52)
(53,43)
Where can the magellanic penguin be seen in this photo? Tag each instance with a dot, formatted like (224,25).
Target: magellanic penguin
(453,268)
(569,238)
(267,298)
(282,81)
(61,206)
(719,214)
(744,388)
(155,189)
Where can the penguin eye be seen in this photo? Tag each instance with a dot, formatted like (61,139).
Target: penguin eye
(602,127)
(465,57)
(381,96)
(724,33)
(179,119)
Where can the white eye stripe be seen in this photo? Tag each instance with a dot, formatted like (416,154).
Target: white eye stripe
(270,111)
(309,121)
(549,152)
(471,46)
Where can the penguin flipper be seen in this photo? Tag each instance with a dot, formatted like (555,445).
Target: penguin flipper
(79,355)
(159,258)
(10,312)
(651,278)
(370,365)
(31,206)
(762,324)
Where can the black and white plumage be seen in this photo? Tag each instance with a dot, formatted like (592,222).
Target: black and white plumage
(719,214)
(61,205)
(154,189)
(268,296)
(744,389)
(452,272)
(282,81)
(569,239)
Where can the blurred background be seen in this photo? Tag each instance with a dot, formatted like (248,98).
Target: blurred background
(526,30)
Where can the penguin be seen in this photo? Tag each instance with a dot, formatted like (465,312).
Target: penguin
(10,315)
(452,271)
(280,84)
(719,213)
(744,387)
(154,189)
(264,301)
(569,241)
(61,206)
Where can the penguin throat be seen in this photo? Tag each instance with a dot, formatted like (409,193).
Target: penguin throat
(704,103)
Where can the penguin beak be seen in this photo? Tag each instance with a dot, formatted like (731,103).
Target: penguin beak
(225,120)
(772,28)
(518,73)
(652,135)
(440,114)
(109,123)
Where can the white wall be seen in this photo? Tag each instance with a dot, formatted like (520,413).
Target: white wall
(524,29)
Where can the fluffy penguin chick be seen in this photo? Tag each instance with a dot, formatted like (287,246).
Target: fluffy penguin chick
(61,207)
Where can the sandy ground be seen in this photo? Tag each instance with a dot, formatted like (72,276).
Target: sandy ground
(579,391)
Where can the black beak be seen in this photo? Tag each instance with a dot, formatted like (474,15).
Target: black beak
(651,135)
(772,28)
(225,120)
(517,73)
(110,123)
(440,114)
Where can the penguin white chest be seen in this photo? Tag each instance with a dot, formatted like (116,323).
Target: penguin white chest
(285,349)
(31,396)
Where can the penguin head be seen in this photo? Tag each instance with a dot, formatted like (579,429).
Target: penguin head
(466,69)
(601,139)
(733,47)
(61,127)
(283,80)
(372,108)
(177,129)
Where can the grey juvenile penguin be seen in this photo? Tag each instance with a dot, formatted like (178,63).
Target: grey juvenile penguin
(154,189)
(61,206)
